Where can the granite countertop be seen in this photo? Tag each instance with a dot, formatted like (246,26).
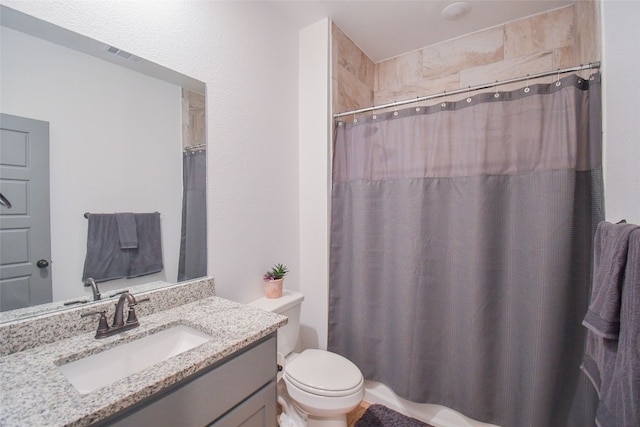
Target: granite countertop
(34,392)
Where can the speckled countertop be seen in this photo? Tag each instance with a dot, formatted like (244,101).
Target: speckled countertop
(34,392)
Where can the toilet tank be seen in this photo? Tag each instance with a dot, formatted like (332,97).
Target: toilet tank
(289,305)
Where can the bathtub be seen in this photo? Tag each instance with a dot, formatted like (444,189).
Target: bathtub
(438,416)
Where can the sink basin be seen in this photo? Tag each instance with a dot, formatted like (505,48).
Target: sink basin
(104,368)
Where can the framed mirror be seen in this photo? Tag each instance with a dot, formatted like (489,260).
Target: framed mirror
(121,136)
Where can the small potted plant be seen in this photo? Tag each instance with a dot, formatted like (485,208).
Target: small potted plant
(273,281)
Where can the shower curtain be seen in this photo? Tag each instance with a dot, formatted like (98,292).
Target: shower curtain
(193,242)
(461,251)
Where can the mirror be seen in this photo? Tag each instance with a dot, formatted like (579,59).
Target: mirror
(118,126)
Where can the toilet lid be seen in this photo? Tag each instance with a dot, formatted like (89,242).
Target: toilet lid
(323,373)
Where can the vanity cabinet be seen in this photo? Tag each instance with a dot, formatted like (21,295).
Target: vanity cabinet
(239,390)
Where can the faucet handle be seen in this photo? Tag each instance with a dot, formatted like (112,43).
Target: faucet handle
(131,317)
(103,325)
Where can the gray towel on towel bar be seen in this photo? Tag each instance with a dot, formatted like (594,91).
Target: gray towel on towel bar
(127,230)
(147,259)
(107,260)
(612,359)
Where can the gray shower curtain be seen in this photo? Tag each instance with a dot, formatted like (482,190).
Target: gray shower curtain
(193,242)
(461,250)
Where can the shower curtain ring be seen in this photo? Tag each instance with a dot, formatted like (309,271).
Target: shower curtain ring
(469,93)
(526,89)
(444,101)
(558,78)
(496,94)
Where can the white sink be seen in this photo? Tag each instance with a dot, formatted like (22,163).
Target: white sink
(102,369)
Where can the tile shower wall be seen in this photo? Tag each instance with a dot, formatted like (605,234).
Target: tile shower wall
(557,39)
(193,119)
(352,74)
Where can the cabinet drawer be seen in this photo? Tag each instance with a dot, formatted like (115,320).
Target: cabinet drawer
(202,399)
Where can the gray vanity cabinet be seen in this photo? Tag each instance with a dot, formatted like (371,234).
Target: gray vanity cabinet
(239,390)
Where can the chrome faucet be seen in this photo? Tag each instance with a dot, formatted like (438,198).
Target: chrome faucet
(119,324)
(94,288)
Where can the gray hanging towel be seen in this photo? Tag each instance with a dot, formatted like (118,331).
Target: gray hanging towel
(602,319)
(147,259)
(613,364)
(611,243)
(127,230)
(105,260)
(610,360)
(620,390)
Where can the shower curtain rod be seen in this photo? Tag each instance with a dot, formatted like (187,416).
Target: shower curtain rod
(592,65)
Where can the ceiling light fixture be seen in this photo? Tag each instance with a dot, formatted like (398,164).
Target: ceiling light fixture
(456,11)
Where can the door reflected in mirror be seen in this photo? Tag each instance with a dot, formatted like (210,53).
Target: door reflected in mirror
(25,243)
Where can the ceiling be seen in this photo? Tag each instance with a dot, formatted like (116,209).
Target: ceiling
(385,29)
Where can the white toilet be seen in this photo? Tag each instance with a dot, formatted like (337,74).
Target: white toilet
(324,386)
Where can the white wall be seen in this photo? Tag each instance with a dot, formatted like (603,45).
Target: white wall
(247,54)
(621,62)
(314,134)
(115,145)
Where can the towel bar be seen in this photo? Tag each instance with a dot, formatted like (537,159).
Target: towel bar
(86,214)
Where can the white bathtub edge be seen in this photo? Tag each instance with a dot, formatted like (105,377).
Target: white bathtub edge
(438,416)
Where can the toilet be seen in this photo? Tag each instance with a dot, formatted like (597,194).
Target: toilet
(320,385)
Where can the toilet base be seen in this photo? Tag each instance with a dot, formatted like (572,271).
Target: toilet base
(299,415)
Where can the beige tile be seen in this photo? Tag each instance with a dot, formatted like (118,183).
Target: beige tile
(564,57)
(541,32)
(473,50)
(587,31)
(397,73)
(351,93)
(518,39)
(350,57)
(193,118)
(424,88)
(387,97)
(334,52)
(517,67)
(336,99)
(352,74)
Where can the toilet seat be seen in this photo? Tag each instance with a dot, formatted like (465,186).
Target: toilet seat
(324,373)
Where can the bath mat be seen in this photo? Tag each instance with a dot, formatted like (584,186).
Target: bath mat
(381,416)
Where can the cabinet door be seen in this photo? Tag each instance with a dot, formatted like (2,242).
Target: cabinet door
(257,411)
(199,401)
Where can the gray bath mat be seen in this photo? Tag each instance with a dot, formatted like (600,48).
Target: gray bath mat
(381,416)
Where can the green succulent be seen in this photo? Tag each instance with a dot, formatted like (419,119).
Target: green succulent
(278,271)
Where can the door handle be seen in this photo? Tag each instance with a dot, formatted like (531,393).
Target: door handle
(4,201)
(43,263)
